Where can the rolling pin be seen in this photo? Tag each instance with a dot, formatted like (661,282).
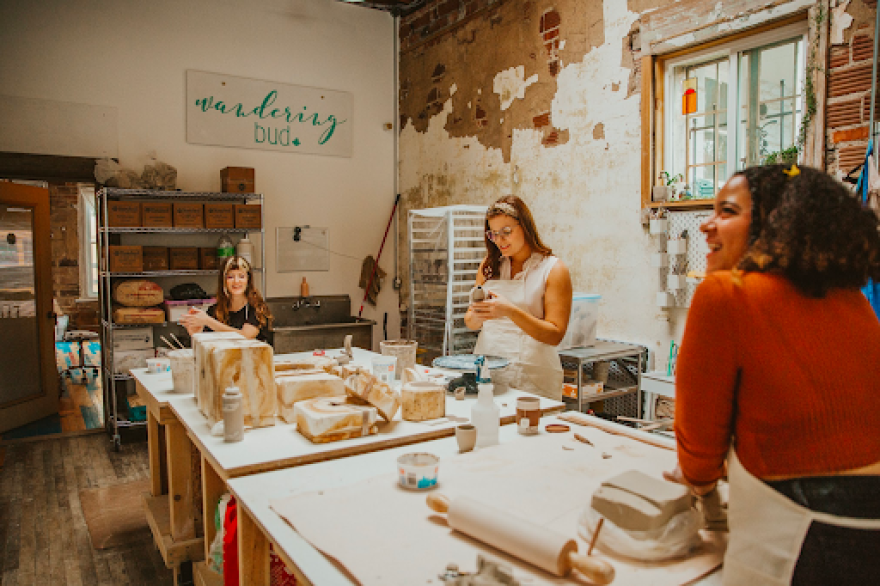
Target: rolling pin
(527,541)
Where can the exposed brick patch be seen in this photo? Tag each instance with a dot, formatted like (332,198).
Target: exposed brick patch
(541,120)
(437,75)
(844,114)
(480,116)
(839,56)
(550,20)
(599,131)
(866,110)
(549,29)
(850,80)
(448,7)
(862,48)
(860,133)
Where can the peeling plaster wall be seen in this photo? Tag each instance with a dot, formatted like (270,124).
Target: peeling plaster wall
(567,141)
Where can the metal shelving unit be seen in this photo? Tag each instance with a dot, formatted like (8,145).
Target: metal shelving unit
(622,391)
(446,246)
(114,422)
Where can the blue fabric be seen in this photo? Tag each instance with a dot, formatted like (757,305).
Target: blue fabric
(872,289)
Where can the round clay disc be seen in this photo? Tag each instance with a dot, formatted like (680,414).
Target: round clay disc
(556,428)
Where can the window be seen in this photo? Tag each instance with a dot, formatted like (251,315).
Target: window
(88,243)
(724,107)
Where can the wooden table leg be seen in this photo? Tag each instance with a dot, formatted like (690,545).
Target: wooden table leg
(154,450)
(180,485)
(253,552)
(213,488)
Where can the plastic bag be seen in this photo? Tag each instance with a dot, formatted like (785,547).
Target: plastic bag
(106,170)
(187,291)
(678,537)
(215,557)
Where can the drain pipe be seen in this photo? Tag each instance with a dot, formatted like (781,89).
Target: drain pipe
(874,76)
(394,128)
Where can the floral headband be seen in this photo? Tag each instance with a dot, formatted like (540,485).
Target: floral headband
(502,207)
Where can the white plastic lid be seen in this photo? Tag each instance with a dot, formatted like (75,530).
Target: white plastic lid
(589,296)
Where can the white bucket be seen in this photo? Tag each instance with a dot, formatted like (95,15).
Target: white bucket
(182,370)
(403,350)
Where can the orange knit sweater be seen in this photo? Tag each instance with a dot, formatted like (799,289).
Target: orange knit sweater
(795,381)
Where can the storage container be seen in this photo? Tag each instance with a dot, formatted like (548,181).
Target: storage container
(189,215)
(659,226)
(123,214)
(126,259)
(177,309)
(125,360)
(582,323)
(237,180)
(157,214)
(248,217)
(219,215)
(133,339)
(155,258)
(184,259)
(675,282)
(677,246)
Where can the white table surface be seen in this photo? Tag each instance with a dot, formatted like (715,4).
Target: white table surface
(255,492)
(281,444)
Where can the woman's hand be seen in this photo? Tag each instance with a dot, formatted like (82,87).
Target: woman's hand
(677,476)
(195,321)
(493,307)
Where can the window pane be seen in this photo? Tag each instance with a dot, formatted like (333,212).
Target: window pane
(770,101)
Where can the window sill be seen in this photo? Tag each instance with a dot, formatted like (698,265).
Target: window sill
(693,204)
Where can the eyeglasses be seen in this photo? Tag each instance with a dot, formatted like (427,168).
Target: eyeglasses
(505,232)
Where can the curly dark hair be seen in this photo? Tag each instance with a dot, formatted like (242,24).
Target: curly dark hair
(523,215)
(809,228)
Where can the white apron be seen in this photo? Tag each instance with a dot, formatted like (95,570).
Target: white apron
(534,366)
(767,530)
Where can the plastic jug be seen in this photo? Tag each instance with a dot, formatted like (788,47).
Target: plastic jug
(485,414)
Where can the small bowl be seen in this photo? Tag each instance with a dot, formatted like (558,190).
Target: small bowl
(418,471)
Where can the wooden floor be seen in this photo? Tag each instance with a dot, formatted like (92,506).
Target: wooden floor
(43,535)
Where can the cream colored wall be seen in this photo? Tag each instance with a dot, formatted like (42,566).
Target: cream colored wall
(133,56)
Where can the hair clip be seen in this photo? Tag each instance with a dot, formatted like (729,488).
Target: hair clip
(792,172)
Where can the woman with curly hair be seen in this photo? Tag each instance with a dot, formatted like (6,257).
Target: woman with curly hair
(779,376)
(239,307)
(525,314)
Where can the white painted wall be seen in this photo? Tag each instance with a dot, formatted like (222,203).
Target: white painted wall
(585,194)
(132,56)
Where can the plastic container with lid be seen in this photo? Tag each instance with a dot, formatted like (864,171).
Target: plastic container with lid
(581,331)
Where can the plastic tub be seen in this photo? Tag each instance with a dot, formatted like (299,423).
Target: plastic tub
(158,365)
(418,470)
(581,331)
(183,364)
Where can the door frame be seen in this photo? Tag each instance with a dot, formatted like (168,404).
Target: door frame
(23,411)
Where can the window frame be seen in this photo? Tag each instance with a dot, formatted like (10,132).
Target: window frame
(657,83)
(87,252)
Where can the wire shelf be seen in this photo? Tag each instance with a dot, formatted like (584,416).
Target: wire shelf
(116,192)
(143,230)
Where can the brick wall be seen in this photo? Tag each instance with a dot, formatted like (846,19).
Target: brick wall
(435,17)
(849,95)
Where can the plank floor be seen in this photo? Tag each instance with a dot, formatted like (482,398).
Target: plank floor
(44,538)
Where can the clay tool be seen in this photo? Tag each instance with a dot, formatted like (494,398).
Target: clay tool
(581,438)
(595,535)
(173,337)
(614,429)
(521,538)
(167,343)
(556,428)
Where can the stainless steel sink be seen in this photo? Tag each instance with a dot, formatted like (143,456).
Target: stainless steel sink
(300,324)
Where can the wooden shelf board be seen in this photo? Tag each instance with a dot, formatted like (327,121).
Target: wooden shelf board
(678,205)
(205,576)
(158,512)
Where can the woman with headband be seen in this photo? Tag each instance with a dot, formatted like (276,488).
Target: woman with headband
(779,376)
(239,307)
(525,313)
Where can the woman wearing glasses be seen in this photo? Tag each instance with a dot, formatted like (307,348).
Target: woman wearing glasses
(525,313)
(239,307)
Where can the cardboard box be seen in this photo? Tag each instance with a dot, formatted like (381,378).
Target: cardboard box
(589,387)
(219,215)
(237,180)
(184,259)
(123,214)
(157,214)
(126,259)
(208,259)
(156,258)
(248,216)
(189,215)
(133,339)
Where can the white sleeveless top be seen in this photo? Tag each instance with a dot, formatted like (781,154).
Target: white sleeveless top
(535,272)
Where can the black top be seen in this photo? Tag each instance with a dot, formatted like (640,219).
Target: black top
(237,319)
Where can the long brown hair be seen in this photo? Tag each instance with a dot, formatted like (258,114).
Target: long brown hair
(253,296)
(521,213)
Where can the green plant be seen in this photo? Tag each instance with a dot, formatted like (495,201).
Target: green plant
(785,156)
(670,179)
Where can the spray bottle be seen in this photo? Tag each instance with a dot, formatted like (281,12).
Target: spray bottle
(485,414)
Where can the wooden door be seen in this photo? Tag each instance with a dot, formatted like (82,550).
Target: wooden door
(28,376)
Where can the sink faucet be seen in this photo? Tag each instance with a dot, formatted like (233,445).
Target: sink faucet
(306,302)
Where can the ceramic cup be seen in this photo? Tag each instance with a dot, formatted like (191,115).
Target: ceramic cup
(459,393)
(466,436)
(528,415)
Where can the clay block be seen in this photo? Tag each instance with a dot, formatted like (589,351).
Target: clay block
(293,388)
(330,419)
(635,501)
(371,390)
(422,401)
(246,364)
(319,363)
(203,375)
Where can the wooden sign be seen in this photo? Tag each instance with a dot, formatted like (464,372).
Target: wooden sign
(247,113)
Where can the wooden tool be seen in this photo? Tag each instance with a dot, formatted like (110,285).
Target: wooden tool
(521,538)
(613,428)
(179,343)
